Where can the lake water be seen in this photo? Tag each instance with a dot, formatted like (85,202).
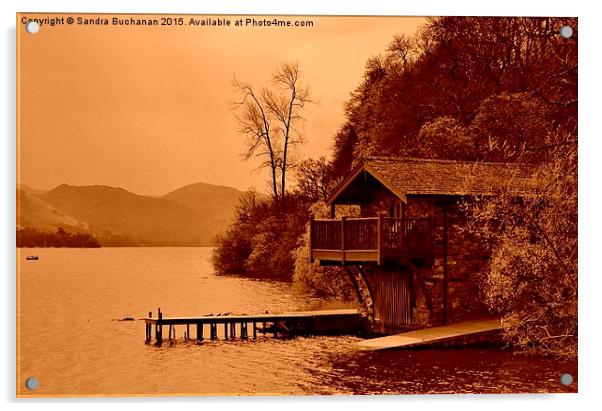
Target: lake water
(69,340)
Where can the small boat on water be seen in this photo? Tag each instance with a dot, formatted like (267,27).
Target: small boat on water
(32,257)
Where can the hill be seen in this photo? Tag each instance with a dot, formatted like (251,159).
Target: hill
(210,201)
(29,190)
(192,215)
(33,212)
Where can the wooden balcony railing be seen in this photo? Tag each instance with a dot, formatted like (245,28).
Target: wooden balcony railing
(372,239)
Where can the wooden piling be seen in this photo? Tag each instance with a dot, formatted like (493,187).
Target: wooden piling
(225,331)
(233,330)
(380,232)
(243,331)
(170,331)
(187,334)
(213,328)
(254,330)
(148,329)
(343,219)
(199,332)
(159,328)
(311,224)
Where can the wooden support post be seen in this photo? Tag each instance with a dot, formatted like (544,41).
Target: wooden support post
(170,330)
(243,331)
(159,328)
(187,335)
(311,245)
(233,330)
(380,229)
(148,327)
(264,327)
(343,239)
(254,330)
(213,329)
(445,264)
(199,331)
(225,331)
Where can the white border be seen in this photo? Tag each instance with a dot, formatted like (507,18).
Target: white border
(590,227)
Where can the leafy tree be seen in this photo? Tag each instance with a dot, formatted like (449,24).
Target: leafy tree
(313,179)
(235,245)
(511,127)
(531,279)
(263,237)
(445,137)
(460,68)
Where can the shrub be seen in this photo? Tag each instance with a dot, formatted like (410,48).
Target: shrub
(263,237)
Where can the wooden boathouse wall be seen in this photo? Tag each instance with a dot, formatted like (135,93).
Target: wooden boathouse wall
(392,298)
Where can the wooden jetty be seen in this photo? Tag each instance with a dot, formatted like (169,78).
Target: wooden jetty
(432,335)
(229,326)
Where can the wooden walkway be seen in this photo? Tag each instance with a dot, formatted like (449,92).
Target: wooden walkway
(300,322)
(431,335)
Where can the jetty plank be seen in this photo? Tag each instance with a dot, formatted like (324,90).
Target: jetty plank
(220,319)
(431,335)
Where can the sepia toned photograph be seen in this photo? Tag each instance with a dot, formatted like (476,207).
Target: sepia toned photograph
(219,205)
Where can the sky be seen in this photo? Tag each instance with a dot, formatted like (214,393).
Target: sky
(147,108)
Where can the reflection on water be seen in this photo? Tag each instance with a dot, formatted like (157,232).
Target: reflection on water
(472,370)
(69,340)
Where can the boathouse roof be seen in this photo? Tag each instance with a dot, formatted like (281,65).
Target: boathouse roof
(417,176)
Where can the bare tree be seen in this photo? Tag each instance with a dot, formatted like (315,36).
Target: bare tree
(270,119)
(254,122)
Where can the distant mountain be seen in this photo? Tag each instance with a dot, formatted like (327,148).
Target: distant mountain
(33,212)
(210,201)
(192,215)
(28,189)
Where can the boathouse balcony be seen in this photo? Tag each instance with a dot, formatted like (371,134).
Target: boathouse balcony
(377,240)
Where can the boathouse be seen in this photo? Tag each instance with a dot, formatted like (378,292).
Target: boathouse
(407,249)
